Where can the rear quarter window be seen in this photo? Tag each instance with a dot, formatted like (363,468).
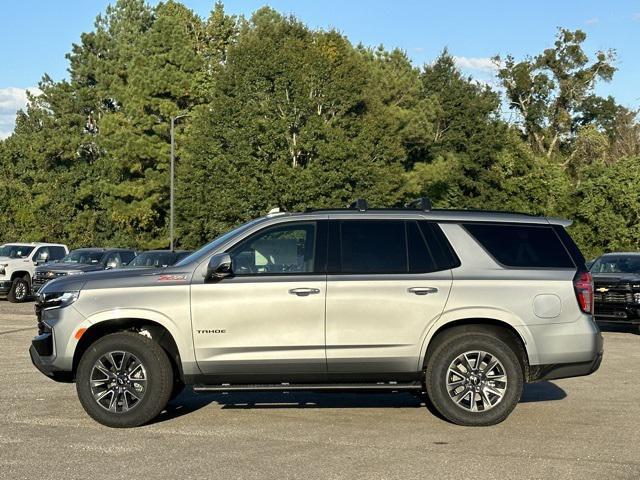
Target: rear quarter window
(522,246)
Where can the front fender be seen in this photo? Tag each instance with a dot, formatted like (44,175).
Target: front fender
(181,334)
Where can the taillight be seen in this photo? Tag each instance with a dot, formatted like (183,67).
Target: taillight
(583,284)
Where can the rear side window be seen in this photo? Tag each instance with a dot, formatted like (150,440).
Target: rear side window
(387,247)
(523,246)
(373,247)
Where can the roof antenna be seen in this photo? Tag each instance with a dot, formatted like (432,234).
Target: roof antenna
(360,204)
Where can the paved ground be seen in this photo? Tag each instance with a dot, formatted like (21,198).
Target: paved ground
(579,428)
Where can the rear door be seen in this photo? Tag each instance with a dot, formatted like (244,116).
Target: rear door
(387,283)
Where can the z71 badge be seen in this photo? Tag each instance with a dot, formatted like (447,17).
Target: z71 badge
(171,278)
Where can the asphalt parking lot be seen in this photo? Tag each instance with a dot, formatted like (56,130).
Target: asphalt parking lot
(576,428)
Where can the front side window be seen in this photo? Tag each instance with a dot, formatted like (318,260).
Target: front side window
(287,249)
(83,257)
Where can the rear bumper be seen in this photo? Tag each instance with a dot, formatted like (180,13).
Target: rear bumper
(555,371)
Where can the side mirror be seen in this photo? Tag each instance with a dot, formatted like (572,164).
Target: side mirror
(111,265)
(219,266)
(42,258)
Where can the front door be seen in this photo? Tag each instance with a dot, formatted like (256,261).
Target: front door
(268,316)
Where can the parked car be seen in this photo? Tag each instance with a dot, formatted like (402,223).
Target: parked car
(617,289)
(158,258)
(18,263)
(82,260)
(465,305)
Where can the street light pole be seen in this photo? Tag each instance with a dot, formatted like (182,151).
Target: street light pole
(171,174)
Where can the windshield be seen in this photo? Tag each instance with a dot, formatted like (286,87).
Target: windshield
(82,257)
(154,259)
(617,264)
(15,251)
(217,242)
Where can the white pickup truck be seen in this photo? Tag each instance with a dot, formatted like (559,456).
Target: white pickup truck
(17,265)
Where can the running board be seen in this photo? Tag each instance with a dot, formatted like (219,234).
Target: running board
(289,387)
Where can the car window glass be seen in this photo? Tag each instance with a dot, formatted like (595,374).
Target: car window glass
(420,259)
(277,250)
(525,246)
(56,253)
(617,264)
(15,251)
(370,246)
(113,260)
(42,254)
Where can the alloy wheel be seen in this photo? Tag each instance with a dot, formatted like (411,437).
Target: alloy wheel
(118,381)
(476,381)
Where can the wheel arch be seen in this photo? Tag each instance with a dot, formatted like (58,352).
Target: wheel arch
(505,331)
(158,333)
(21,274)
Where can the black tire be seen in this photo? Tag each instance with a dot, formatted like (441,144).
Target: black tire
(19,291)
(449,347)
(158,373)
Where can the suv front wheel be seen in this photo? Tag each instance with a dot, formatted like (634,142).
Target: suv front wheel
(124,380)
(473,377)
(19,290)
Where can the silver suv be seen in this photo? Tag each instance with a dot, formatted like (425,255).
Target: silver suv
(463,305)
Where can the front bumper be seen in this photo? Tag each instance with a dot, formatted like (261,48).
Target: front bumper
(5,286)
(47,368)
(617,314)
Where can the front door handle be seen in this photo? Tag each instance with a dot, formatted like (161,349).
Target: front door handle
(422,290)
(303,292)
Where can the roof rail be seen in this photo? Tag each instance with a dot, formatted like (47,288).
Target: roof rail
(422,203)
(360,204)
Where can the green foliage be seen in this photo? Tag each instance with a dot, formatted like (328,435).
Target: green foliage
(280,114)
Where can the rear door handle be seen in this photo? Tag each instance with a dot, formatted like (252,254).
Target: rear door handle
(422,290)
(303,292)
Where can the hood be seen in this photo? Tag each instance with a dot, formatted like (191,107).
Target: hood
(615,278)
(65,267)
(119,278)
(10,260)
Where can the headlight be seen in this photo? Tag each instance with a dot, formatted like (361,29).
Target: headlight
(58,299)
(2,269)
(636,297)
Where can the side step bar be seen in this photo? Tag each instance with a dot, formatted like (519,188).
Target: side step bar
(289,387)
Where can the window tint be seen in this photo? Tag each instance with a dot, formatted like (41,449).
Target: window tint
(420,258)
(373,247)
(127,256)
(56,253)
(286,249)
(444,257)
(522,245)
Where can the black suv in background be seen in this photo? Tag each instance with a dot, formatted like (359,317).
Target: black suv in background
(82,260)
(616,278)
(158,258)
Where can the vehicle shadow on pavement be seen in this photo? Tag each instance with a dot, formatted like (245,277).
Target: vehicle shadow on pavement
(189,402)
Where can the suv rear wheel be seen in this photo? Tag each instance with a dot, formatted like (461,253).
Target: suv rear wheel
(19,290)
(124,380)
(473,377)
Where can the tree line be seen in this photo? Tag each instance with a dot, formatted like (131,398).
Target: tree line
(280,114)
